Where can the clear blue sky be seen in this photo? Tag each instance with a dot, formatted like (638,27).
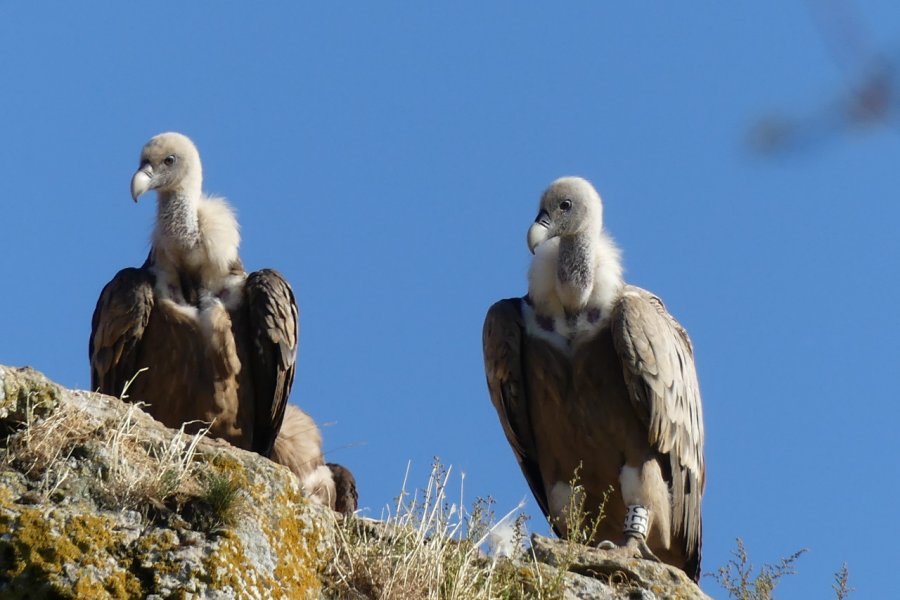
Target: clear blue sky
(388,160)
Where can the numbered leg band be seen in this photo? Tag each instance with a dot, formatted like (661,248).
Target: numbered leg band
(637,521)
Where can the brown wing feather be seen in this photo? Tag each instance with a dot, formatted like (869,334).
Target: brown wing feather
(658,364)
(273,319)
(346,495)
(118,324)
(502,339)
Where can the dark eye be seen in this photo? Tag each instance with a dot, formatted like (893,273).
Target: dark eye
(565,205)
(170,160)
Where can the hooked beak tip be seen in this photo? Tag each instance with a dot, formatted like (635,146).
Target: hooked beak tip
(537,233)
(140,183)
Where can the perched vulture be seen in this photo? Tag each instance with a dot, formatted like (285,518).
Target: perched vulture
(590,374)
(219,344)
(346,497)
(299,448)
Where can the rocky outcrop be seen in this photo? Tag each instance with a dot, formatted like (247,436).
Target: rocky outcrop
(593,574)
(98,500)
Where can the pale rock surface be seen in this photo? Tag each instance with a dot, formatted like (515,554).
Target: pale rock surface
(595,575)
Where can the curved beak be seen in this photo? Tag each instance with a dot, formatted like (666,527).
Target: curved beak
(539,230)
(141,181)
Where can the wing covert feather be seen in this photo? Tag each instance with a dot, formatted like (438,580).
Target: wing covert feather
(658,364)
(117,327)
(274,318)
(502,341)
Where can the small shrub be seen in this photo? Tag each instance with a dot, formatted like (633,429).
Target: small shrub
(224,497)
(841,586)
(736,576)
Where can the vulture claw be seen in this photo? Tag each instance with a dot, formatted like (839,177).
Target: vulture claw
(639,545)
(635,547)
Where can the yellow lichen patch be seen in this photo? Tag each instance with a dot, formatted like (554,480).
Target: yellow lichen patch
(42,545)
(293,546)
(230,466)
(87,586)
(227,567)
(153,550)
(296,545)
(123,584)
(293,542)
(298,567)
(23,390)
(6,495)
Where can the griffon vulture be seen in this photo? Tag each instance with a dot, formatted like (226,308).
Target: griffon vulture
(587,371)
(219,343)
(299,448)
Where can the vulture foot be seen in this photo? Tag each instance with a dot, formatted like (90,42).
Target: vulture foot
(635,547)
(639,545)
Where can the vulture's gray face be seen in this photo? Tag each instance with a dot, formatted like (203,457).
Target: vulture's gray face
(570,206)
(169,162)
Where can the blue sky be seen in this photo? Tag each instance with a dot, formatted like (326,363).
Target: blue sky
(388,159)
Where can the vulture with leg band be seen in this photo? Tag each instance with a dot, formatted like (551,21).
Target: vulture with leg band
(592,377)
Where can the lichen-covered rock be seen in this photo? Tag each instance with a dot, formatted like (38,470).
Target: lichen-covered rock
(594,574)
(98,500)
(25,390)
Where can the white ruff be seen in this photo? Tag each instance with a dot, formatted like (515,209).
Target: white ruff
(214,247)
(543,287)
(210,253)
(219,235)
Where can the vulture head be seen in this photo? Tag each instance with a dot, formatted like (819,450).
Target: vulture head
(169,164)
(569,207)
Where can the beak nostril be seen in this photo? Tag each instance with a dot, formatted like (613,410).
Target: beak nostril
(543,218)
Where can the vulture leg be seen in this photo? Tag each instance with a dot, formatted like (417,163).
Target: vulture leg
(636,531)
(646,497)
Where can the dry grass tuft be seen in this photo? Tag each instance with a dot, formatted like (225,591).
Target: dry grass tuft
(432,549)
(139,469)
(134,469)
(42,448)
